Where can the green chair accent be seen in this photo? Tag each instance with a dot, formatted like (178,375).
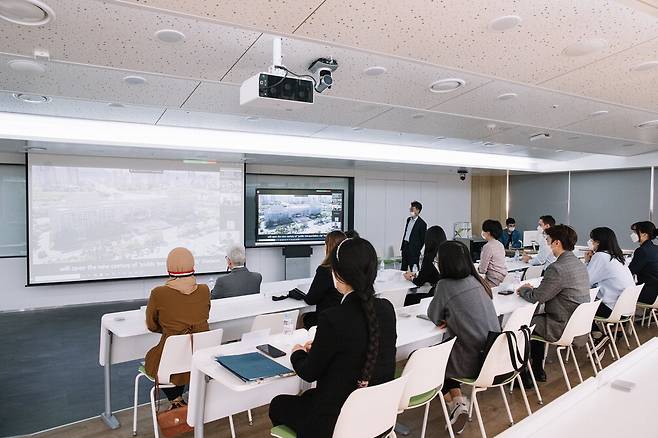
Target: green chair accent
(421,399)
(283,432)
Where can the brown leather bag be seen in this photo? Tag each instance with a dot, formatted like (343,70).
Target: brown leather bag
(174,421)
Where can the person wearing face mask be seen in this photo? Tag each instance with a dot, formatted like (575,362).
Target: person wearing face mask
(564,286)
(607,269)
(413,237)
(511,237)
(645,260)
(545,256)
(322,294)
(239,281)
(492,258)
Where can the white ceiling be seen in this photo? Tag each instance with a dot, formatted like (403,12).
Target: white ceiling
(94,44)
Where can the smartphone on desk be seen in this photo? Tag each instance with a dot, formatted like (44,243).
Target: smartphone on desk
(270,351)
(423,316)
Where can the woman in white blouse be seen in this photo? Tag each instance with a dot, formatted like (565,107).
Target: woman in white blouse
(492,258)
(607,269)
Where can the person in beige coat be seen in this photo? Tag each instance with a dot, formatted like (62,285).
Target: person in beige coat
(179,307)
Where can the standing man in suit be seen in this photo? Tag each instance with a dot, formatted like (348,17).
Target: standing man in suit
(240,281)
(413,238)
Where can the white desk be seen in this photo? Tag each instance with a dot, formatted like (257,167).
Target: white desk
(595,409)
(125,337)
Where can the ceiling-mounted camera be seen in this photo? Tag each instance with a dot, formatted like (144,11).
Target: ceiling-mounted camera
(323,67)
(462,174)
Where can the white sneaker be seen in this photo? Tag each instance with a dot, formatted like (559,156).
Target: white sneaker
(459,414)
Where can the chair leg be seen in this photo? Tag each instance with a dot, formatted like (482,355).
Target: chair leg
(644,316)
(470,408)
(564,371)
(511,386)
(230,423)
(566,358)
(135,401)
(446,416)
(427,413)
(509,413)
(534,383)
(478,415)
(623,332)
(596,353)
(154,414)
(637,340)
(655,317)
(591,359)
(251,420)
(575,362)
(525,396)
(613,340)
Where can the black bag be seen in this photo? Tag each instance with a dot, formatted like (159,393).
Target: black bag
(295,294)
(519,361)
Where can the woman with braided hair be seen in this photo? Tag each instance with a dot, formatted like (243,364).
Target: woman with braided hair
(354,346)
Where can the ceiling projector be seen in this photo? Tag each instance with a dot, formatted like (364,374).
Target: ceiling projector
(276,90)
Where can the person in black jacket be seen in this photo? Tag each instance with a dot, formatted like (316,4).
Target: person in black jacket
(354,347)
(413,237)
(322,294)
(428,273)
(645,260)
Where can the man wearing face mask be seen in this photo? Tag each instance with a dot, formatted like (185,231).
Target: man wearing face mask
(544,257)
(240,281)
(413,238)
(511,237)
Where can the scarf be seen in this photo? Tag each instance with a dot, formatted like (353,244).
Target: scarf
(180,265)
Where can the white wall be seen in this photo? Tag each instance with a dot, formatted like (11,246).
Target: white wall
(381,206)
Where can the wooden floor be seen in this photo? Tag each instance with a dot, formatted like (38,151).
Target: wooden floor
(493,410)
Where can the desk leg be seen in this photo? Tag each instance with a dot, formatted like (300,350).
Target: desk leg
(108,418)
(201,406)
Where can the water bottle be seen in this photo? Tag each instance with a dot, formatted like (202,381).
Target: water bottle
(517,255)
(381,265)
(288,327)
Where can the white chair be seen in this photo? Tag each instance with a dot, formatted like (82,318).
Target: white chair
(367,412)
(497,363)
(273,321)
(623,312)
(533,272)
(176,358)
(426,369)
(519,318)
(579,324)
(396,297)
(593,292)
(652,312)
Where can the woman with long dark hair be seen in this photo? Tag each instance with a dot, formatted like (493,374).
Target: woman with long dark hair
(607,269)
(434,236)
(463,304)
(354,346)
(645,260)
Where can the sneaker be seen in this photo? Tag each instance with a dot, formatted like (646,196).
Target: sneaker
(459,414)
(596,335)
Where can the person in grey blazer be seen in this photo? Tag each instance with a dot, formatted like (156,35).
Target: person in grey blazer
(240,281)
(565,286)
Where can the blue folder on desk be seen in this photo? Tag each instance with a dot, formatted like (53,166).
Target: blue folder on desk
(251,367)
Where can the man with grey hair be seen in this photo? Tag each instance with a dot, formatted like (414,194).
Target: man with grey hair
(239,281)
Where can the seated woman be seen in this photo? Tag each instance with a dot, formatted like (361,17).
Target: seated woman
(463,304)
(434,236)
(322,294)
(354,346)
(645,260)
(607,269)
(492,258)
(179,307)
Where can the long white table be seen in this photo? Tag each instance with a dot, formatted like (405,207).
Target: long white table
(595,408)
(125,337)
(216,393)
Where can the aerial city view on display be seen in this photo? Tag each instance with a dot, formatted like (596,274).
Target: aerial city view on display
(288,215)
(93,223)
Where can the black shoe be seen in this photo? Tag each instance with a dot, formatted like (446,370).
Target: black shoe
(540,374)
(526,379)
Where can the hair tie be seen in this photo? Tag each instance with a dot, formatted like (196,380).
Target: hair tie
(339,245)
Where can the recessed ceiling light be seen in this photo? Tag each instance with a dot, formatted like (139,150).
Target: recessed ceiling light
(375,70)
(585,47)
(134,80)
(35,149)
(170,36)
(252,119)
(506,22)
(115,105)
(648,124)
(627,145)
(598,113)
(507,96)
(439,138)
(446,85)
(559,150)
(26,12)
(26,66)
(489,144)
(645,66)
(418,116)
(31,98)
(357,128)
(491,126)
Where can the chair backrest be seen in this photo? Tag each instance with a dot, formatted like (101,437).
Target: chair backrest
(370,411)
(396,297)
(498,360)
(177,352)
(626,303)
(580,322)
(533,272)
(273,321)
(426,369)
(593,292)
(520,317)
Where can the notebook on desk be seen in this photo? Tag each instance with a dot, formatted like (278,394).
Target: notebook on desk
(251,367)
